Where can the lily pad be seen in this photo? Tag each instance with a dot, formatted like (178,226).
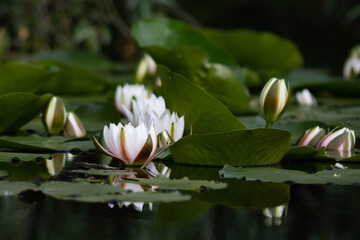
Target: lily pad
(238,147)
(265,52)
(9,156)
(267,174)
(37,143)
(3,173)
(14,188)
(203,113)
(19,108)
(162,182)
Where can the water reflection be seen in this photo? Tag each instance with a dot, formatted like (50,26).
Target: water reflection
(276,215)
(56,164)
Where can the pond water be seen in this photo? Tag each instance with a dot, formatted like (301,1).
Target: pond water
(243,210)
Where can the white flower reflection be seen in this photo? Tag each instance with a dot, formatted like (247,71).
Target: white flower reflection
(274,216)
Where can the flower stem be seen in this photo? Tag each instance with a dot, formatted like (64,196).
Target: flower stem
(269,124)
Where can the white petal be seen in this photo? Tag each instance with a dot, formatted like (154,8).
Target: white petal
(135,140)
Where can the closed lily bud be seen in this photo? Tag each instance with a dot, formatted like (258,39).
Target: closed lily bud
(274,99)
(146,67)
(125,94)
(305,97)
(54,116)
(342,140)
(312,137)
(73,126)
(352,64)
(132,145)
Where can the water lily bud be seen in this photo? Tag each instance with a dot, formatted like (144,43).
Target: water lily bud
(172,124)
(274,99)
(312,137)
(132,145)
(54,116)
(305,98)
(125,94)
(146,67)
(73,126)
(352,64)
(342,140)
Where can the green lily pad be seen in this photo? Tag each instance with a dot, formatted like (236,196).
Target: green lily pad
(102,172)
(37,143)
(3,173)
(186,51)
(162,182)
(265,52)
(17,77)
(341,176)
(14,188)
(71,79)
(238,147)
(203,113)
(19,108)
(8,156)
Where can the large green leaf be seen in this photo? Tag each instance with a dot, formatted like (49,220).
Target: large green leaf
(187,52)
(71,79)
(19,108)
(238,147)
(263,51)
(18,77)
(203,113)
(185,183)
(48,144)
(9,156)
(341,176)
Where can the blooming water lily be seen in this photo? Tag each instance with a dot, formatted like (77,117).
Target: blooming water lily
(125,94)
(352,64)
(274,99)
(132,145)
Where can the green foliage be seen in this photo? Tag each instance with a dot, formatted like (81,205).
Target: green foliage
(341,176)
(186,51)
(203,113)
(267,53)
(19,108)
(238,147)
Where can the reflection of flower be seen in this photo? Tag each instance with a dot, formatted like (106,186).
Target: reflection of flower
(56,164)
(274,215)
(352,64)
(155,169)
(274,99)
(54,116)
(312,137)
(125,94)
(342,140)
(305,97)
(73,126)
(132,145)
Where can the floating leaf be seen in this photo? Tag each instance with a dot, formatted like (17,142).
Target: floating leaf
(187,52)
(162,182)
(267,174)
(3,173)
(263,51)
(14,188)
(19,108)
(37,143)
(17,77)
(9,156)
(203,113)
(238,147)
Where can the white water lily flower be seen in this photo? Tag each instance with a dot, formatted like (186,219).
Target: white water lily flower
(54,116)
(171,123)
(274,99)
(342,140)
(73,126)
(352,64)
(125,94)
(312,137)
(305,97)
(153,105)
(132,145)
